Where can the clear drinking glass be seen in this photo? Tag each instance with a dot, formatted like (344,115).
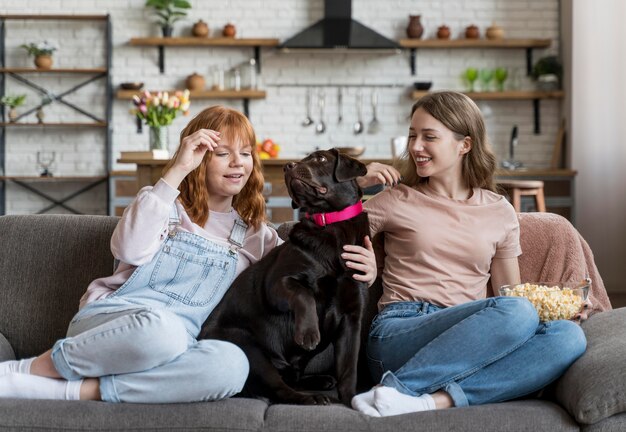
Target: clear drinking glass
(471,74)
(501,75)
(486,75)
(45,160)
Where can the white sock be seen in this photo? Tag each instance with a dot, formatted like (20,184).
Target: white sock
(23,386)
(16,366)
(364,403)
(389,401)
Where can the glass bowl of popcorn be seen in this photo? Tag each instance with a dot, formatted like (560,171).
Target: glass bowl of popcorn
(553,301)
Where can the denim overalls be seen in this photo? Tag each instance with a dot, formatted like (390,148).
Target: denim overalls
(141,340)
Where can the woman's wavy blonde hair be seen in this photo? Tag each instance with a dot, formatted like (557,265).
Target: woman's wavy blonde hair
(460,114)
(194,194)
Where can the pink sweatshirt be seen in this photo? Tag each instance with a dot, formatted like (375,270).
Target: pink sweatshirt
(143,229)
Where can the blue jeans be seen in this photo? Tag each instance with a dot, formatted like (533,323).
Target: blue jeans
(479,352)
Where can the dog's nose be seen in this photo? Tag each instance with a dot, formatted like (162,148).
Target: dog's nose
(289,166)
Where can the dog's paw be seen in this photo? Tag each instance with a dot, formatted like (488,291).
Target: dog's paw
(307,338)
(318,400)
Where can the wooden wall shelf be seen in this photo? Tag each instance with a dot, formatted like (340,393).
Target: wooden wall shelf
(55,70)
(202,94)
(474,43)
(505,95)
(42,125)
(55,17)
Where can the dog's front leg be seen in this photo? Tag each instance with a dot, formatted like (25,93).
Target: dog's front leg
(301,302)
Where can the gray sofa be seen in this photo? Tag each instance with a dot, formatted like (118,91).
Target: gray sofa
(47,261)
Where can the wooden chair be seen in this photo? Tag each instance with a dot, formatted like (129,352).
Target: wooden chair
(518,188)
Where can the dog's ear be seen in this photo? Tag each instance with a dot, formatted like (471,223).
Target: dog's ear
(294,205)
(347,168)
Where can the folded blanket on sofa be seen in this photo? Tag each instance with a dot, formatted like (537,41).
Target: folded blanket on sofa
(554,251)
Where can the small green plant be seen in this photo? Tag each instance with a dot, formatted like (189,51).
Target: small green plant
(550,65)
(13,101)
(41,48)
(169,11)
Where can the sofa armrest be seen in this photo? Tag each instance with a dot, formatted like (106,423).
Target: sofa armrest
(6,351)
(594,387)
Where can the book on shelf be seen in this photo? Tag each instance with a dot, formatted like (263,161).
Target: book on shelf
(148,154)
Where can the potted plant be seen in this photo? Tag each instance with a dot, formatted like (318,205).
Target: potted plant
(12,102)
(42,52)
(548,72)
(168,12)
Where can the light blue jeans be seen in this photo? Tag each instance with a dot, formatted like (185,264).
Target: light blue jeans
(480,352)
(141,340)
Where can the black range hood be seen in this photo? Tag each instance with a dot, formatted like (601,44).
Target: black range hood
(337,30)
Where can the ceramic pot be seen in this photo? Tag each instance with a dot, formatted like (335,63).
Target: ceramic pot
(472,32)
(43,61)
(495,32)
(12,114)
(167,30)
(229,30)
(195,82)
(443,32)
(415,29)
(200,29)
(158,138)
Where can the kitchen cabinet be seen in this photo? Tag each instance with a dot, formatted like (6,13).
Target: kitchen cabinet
(84,77)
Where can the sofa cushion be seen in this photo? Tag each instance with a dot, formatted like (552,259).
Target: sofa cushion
(616,423)
(46,264)
(524,415)
(594,387)
(235,414)
(6,352)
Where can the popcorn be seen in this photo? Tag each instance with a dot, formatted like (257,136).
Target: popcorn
(552,303)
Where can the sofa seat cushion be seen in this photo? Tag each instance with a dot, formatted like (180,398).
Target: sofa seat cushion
(594,387)
(236,414)
(527,415)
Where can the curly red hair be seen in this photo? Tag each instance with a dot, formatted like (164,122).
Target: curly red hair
(194,194)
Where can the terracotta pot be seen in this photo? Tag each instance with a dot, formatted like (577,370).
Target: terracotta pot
(12,114)
(200,29)
(415,28)
(195,82)
(43,61)
(443,32)
(472,32)
(495,32)
(229,30)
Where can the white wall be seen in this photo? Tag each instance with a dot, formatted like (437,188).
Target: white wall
(278,116)
(598,95)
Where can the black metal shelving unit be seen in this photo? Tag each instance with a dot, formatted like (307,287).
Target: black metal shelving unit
(28,182)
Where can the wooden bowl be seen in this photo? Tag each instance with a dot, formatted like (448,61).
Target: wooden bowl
(352,151)
(131,85)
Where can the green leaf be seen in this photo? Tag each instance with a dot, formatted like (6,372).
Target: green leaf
(182,4)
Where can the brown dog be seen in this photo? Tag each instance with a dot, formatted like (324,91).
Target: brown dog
(301,297)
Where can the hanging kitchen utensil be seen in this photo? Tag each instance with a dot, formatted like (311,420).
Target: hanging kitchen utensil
(339,105)
(357,128)
(374,125)
(308,121)
(320,127)
(511,163)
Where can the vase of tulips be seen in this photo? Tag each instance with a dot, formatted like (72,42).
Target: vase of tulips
(158,111)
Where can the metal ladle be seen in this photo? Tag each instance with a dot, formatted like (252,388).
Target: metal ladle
(357,128)
(308,121)
(320,127)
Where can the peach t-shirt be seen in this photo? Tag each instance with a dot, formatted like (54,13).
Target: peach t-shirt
(438,249)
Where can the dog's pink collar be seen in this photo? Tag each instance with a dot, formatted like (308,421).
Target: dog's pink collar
(323,219)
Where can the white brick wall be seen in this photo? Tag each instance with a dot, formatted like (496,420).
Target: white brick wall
(279,116)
